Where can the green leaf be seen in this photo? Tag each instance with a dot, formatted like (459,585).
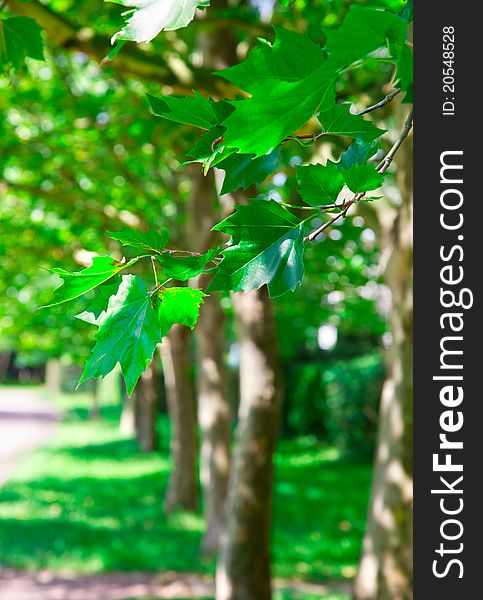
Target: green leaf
(358,153)
(362,178)
(78,283)
(261,122)
(210,150)
(178,305)
(404,73)
(197,110)
(338,120)
(318,184)
(151,241)
(98,306)
(266,248)
(242,171)
(19,37)
(408,11)
(292,57)
(363,31)
(183,268)
(149,17)
(128,333)
(288,83)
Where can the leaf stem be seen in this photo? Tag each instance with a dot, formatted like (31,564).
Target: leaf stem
(175,251)
(296,206)
(156,283)
(367,61)
(313,137)
(159,286)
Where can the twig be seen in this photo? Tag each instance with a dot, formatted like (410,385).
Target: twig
(387,160)
(176,251)
(156,282)
(311,237)
(381,168)
(300,138)
(315,136)
(299,206)
(380,104)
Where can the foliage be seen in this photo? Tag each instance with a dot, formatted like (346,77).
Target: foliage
(83,501)
(288,83)
(266,249)
(149,17)
(70,116)
(128,332)
(336,401)
(19,37)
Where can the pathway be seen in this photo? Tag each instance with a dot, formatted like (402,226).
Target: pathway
(21,585)
(26,422)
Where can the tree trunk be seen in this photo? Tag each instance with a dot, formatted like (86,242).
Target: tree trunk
(243,571)
(146,409)
(212,387)
(214,419)
(53,375)
(385,570)
(182,493)
(95,411)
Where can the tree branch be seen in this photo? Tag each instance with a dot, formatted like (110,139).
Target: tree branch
(381,168)
(131,61)
(380,104)
(315,136)
(387,160)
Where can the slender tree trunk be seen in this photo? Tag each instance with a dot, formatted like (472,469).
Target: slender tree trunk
(53,375)
(95,411)
(214,419)
(212,387)
(385,570)
(243,571)
(146,408)
(182,493)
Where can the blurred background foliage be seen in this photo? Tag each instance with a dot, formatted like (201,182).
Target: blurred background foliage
(81,154)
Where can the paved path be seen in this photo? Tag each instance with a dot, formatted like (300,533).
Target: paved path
(26,422)
(20,585)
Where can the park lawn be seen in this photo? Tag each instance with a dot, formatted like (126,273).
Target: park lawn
(91,502)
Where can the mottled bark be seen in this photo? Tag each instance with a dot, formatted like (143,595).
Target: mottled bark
(214,419)
(243,571)
(146,397)
(182,493)
(212,388)
(385,570)
(218,51)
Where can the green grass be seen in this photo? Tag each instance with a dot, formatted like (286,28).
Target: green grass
(91,502)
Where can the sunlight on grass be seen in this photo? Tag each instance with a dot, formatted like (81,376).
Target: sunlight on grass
(92,502)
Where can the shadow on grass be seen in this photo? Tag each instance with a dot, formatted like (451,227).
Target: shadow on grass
(95,507)
(92,502)
(320,507)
